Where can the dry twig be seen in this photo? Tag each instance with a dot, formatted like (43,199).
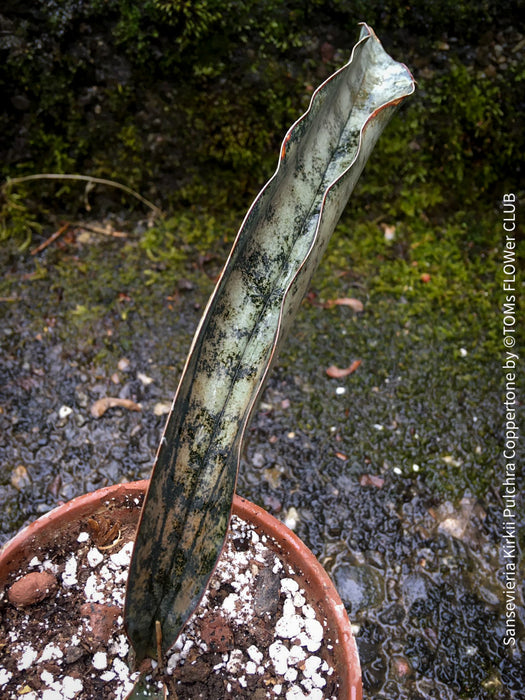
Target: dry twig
(86,178)
(51,238)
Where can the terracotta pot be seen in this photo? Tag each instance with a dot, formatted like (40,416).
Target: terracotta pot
(122,499)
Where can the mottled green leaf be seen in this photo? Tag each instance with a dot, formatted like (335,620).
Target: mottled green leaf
(279,245)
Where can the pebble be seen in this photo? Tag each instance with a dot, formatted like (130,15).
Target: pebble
(32,588)
(101,619)
(20,478)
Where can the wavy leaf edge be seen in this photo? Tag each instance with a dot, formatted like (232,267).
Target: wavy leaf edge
(205,507)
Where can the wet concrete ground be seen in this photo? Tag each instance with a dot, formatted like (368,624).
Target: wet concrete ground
(391,474)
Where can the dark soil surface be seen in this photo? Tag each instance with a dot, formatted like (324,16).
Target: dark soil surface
(415,554)
(240,643)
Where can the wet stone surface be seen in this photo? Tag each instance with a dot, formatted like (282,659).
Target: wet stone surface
(416,555)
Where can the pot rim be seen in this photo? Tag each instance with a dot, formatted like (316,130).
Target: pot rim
(316,580)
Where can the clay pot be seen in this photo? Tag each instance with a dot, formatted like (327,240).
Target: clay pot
(122,499)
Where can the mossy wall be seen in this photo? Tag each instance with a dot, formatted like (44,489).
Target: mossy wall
(188,102)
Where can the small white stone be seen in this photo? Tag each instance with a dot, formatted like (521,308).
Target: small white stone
(28,658)
(122,558)
(121,669)
(118,597)
(144,379)
(105,573)
(120,646)
(51,651)
(83,537)
(288,608)
(49,694)
(186,648)
(311,665)
(289,585)
(100,660)
(277,688)
(314,631)
(308,611)
(255,654)
(5,676)
(289,627)
(318,680)
(93,595)
(47,677)
(108,676)
(94,557)
(340,390)
(277,566)
(35,561)
(295,693)
(64,411)
(251,667)
(69,577)
(291,675)
(229,604)
(279,655)
(299,600)
(307,685)
(297,654)
(236,661)
(291,518)
(49,565)
(71,687)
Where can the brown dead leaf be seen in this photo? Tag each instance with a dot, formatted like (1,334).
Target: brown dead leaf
(354,304)
(371,480)
(101,406)
(338,373)
(103,530)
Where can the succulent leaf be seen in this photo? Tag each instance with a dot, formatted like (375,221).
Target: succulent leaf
(187,508)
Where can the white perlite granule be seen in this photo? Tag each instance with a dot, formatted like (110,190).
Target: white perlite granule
(69,577)
(51,651)
(94,557)
(5,676)
(298,633)
(298,672)
(100,660)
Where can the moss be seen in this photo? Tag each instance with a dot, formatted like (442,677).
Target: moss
(428,387)
(195,98)
(18,221)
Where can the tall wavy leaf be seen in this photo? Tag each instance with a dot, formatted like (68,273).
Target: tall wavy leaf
(187,508)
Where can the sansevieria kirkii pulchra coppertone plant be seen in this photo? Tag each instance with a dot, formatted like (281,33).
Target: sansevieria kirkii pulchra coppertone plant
(187,507)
